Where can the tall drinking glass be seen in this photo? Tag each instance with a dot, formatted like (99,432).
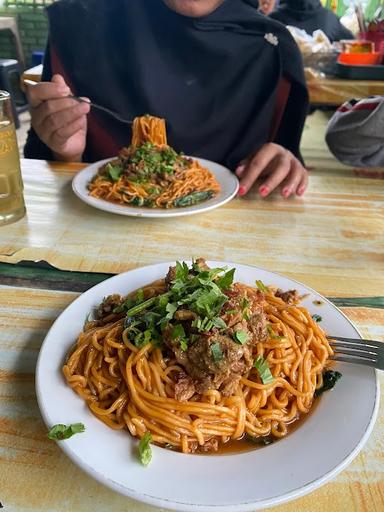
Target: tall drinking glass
(12,205)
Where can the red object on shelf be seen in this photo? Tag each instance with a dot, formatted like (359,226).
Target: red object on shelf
(360,59)
(376,37)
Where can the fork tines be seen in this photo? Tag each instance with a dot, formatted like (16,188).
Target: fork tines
(359,350)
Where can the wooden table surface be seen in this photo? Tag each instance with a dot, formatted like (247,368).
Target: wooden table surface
(335,91)
(331,239)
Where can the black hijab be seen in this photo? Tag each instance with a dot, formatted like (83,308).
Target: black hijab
(310,15)
(217,80)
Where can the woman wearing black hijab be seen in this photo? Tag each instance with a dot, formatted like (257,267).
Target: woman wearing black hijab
(310,15)
(228,81)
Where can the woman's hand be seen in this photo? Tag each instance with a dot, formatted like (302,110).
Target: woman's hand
(278,166)
(60,122)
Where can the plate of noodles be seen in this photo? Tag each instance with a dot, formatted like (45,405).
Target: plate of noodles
(151,179)
(204,386)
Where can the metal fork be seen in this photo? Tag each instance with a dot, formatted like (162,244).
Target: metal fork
(32,83)
(366,352)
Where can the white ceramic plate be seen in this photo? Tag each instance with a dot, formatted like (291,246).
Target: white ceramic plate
(228,182)
(311,455)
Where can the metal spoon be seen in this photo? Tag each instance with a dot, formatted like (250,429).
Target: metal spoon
(83,100)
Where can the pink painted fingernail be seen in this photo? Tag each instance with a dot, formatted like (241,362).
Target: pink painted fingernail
(242,191)
(301,191)
(264,191)
(286,192)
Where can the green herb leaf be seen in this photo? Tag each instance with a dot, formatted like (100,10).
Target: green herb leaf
(241,337)
(225,282)
(144,305)
(202,324)
(216,352)
(114,171)
(262,367)
(330,377)
(245,308)
(178,332)
(193,198)
(139,296)
(145,450)
(261,286)
(231,311)
(183,344)
(171,310)
(127,304)
(182,271)
(317,318)
(60,432)
(219,323)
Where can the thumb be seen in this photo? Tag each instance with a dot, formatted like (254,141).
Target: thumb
(59,80)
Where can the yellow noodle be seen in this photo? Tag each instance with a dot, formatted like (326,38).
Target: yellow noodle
(133,388)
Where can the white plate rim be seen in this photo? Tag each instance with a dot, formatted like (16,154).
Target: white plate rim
(228,181)
(258,504)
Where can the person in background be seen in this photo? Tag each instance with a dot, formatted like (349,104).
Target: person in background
(228,80)
(267,6)
(310,15)
(355,133)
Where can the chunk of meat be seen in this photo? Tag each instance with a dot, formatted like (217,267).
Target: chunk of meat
(184,315)
(184,387)
(170,277)
(290,296)
(258,326)
(202,264)
(108,305)
(206,372)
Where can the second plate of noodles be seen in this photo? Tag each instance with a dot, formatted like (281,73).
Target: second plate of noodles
(149,178)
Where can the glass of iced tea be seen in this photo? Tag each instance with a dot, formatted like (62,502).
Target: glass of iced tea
(12,206)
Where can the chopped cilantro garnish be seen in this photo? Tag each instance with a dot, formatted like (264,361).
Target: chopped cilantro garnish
(216,352)
(145,451)
(142,338)
(184,344)
(139,296)
(219,323)
(178,332)
(194,289)
(153,160)
(114,171)
(182,270)
(60,432)
(171,310)
(241,337)
(262,367)
(225,282)
(245,308)
(317,318)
